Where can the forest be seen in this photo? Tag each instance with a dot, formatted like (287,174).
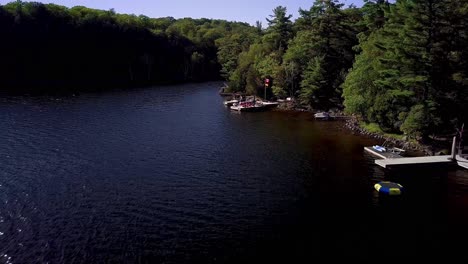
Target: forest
(401,65)
(47,48)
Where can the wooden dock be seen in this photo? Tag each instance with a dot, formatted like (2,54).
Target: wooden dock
(391,159)
(391,162)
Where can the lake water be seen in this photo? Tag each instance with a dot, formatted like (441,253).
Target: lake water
(169,175)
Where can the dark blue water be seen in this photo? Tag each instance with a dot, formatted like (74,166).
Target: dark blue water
(168,175)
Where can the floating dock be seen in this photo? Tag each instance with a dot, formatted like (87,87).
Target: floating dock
(429,160)
(390,159)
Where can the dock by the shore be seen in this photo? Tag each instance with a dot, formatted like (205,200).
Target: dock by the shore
(391,160)
(429,160)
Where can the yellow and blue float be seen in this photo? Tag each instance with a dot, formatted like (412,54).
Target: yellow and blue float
(389,188)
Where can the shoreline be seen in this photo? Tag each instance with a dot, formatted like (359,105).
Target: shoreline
(351,123)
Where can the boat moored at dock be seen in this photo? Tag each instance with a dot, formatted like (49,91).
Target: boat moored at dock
(231,102)
(268,104)
(322,116)
(382,152)
(250,104)
(248,107)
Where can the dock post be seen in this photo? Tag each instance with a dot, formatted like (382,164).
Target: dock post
(454,148)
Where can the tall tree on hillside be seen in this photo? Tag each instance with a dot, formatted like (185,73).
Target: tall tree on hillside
(326,38)
(313,80)
(230,50)
(267,61)
(374,13)
(279,30)
(415,62)
(259,26)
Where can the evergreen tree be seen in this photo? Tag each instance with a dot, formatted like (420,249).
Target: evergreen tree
(374,14)
(329,35)
(279,30)
(410,76)
(313,81)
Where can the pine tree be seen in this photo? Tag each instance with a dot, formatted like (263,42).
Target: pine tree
(409,70)
(327,35)
(279,28)
(313,81)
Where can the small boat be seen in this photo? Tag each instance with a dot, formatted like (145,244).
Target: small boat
(268,104)
(398,151)
(322,116)
(394,150)
(248,107)
(379,148)
(231,102)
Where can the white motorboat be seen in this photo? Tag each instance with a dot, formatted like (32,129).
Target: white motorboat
(248,107)
(231,102)
(322,116)
(268,104)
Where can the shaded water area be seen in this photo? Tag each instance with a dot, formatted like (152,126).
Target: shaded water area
(169,175)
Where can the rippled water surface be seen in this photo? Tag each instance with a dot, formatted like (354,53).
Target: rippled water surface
(169,175)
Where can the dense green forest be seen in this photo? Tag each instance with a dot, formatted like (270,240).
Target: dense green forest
(402,65)
(48,48)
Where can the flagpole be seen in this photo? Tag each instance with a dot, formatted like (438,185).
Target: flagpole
(266,84)
(461,138)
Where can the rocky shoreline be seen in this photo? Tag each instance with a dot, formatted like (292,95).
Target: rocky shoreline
(352,123)
(439,146)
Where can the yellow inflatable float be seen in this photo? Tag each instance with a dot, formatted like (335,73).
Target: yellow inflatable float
(389,188)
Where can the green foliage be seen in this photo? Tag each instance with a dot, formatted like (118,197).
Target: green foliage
(371,127)
(402,65)
(327,34)
(374,14)
(63,50)
(359,89)
(300,48)
(248,59)
(313,81)
(229,49)
(375,128)
(279,31)
(268,66)
(415,121)
(405,77)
